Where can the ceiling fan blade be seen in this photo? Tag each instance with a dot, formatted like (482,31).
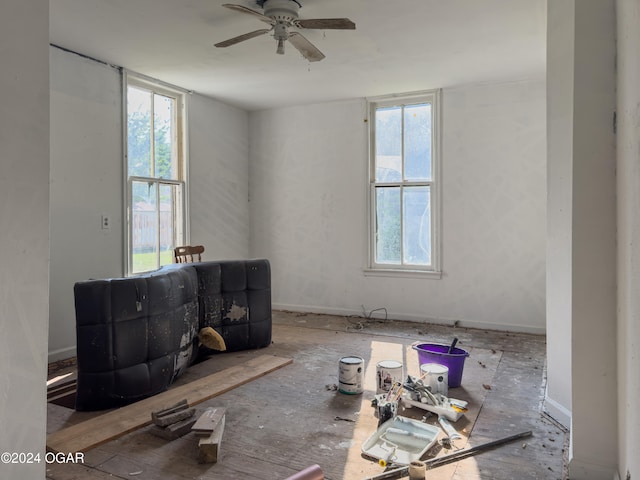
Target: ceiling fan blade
(305,47)
(326,23)
(241,9)
(242,38)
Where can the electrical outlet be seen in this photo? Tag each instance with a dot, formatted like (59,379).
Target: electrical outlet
(106,222)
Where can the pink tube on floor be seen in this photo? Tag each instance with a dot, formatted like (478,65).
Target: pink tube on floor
(313,472)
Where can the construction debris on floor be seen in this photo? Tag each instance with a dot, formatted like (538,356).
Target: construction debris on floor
(328,428)
(210,427)
(178,420)
(400,442)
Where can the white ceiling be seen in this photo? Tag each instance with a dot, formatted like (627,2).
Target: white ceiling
(398,46)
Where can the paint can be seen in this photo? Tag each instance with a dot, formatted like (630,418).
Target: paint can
(436,376)
(388,373)
(351,375)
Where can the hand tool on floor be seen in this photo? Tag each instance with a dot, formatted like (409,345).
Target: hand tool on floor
(417,394)
(451,432)
(459,455)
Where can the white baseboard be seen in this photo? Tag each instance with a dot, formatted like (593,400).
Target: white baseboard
(558,412)
(582,470)
(411,318)
(62,354)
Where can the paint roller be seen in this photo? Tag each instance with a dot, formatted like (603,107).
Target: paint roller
(399,435)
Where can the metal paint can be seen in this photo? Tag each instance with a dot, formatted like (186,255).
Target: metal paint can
(388,373)
(436,376)
(351,375)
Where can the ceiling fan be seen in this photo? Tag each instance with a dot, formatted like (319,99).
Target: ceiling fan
(283,15)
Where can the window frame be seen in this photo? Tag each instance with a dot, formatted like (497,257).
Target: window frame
(181,226)
(373,268)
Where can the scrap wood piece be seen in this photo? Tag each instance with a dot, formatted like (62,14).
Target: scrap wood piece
(61,386)
(208,421)
(181,405)
(173,431)
(179,411)
(209,447)
(57,394)
(171,418)
(211,339)
(116,423)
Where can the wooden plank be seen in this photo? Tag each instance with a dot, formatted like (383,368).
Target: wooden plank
(209,447)
(174,414)
(209,420)
(181,405)
(173,431)
(175,417)
(65,388)
(116,423)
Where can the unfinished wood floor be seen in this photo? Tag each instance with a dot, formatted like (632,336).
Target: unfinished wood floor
(292,418)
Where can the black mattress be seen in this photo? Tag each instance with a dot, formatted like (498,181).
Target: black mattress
(136,335)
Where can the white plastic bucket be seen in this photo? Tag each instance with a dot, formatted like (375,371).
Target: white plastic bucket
(388,373)
(436,376)
(350,375)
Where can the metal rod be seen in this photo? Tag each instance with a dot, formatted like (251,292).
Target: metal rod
(397,473)
(459,455)
(436,462)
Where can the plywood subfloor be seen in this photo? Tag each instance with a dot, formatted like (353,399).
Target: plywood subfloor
(292,418)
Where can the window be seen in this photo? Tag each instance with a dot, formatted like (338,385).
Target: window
(155,165)
(404,169)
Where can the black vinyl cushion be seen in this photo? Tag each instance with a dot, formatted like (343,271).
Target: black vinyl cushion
(235,300)
(136,335)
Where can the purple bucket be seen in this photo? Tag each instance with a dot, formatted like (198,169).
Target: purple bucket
(439,353)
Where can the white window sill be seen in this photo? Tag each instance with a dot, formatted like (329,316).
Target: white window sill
(388,272)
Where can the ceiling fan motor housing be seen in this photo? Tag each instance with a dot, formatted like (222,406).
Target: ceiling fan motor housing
(282,10)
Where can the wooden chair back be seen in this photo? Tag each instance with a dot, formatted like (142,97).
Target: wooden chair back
(188,254)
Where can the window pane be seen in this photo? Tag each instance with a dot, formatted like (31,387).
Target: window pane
(163,136)
(167,223)
(388,225)
(417,142)
(388,136)
(144,239)
(139,132)
(417,226)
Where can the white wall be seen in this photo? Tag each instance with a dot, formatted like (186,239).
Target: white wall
(628,150)
(86,182)
(219,178)
(594,438)
(560,33)
(308,203)
(581,82)
(24,223)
